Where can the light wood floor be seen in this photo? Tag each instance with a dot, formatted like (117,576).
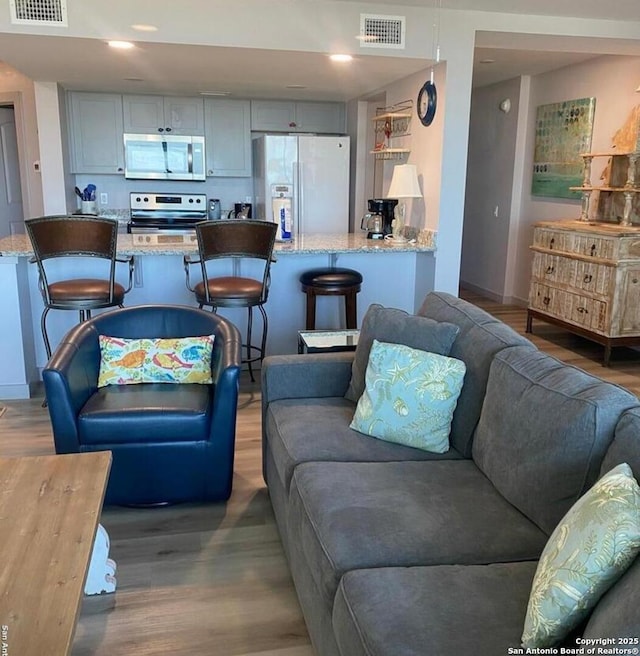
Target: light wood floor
(212,579)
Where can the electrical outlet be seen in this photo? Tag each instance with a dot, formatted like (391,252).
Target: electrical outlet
(104,198)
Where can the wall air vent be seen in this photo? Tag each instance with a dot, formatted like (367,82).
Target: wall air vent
(378,31)
(39,12)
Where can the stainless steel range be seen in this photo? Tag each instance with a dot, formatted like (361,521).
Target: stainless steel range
(165,218)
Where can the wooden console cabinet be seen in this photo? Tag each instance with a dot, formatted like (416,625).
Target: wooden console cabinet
(586,278)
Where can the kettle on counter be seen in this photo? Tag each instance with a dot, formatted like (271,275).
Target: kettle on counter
(240,211)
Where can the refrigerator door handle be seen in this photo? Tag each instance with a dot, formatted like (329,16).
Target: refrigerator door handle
(298,199)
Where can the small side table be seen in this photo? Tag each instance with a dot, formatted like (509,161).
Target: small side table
(327,341)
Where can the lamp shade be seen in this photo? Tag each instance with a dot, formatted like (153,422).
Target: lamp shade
(404,182)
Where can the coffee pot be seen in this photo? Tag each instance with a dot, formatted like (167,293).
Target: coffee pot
(373,223)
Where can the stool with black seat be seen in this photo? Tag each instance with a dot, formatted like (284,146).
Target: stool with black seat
(77,236)
(331,281)
(241,239)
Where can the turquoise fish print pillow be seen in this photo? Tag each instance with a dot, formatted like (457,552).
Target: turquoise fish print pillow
(590,549)
(162,360)
(409,396)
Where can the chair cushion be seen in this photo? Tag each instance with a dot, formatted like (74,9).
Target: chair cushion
(85,289)
(543,461)
(396,327)
(409,397)
(150,412)
(351,516)
(230,287)
(308,430)
(442,610)
(331,277)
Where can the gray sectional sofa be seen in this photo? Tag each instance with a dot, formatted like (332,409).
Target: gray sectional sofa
(396,551)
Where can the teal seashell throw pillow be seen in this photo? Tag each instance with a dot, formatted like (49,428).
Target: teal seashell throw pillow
(590,549)
(409,396)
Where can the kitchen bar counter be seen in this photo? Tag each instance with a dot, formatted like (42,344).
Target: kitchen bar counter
(394,275)
(19,245)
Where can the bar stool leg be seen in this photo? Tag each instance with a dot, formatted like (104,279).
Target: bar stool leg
(249,328)
(265,327)
(351,309)
(43,327)
(311,310)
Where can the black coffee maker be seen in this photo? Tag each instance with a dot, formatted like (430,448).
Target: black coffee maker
(384,207)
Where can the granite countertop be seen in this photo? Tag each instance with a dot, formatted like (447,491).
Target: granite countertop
(19,245)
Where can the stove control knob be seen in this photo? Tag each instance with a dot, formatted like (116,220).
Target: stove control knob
(137,199)
(191,200)
(148,239)
(197,200)
(146,200)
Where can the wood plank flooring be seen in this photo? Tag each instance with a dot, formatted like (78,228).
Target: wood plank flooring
(213,579)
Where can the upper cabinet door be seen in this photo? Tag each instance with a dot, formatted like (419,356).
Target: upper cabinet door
(228,137)
(184,115)
(321,117)
(95,132)
(273,115)
(164,115)
(290,116)
(143,114)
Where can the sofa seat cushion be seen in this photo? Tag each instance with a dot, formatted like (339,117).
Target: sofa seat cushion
(149,412)
(481,336)
(361,515)
(307,430)
(544,431)
(437,610)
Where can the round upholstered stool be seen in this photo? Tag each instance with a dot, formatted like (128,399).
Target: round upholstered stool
(331,281)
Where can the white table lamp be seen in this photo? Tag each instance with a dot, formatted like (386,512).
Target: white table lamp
(404,184)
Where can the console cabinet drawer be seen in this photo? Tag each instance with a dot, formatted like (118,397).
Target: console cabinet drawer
(576,274)
(596,246)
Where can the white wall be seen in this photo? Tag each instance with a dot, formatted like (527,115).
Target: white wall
(490,167)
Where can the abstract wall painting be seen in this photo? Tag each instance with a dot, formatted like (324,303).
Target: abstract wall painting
(563,132)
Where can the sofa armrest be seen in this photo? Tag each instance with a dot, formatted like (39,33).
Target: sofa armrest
(305,376)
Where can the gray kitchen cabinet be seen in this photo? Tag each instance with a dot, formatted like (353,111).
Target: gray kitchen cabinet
(291,116)
(95,132)
(228,137)
(164,114)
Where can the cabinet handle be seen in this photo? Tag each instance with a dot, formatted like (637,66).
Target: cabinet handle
(160,129)
(582,310)
(293,124)
(551,243)
(120,169)
(634,281)
(546,300)
(588,278)
(550,269)
(168,129)
(593,250)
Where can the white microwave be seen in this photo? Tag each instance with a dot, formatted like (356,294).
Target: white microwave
(163,157)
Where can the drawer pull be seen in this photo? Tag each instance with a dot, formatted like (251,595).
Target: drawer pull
(588,278)
(634,281)
(551,243)
(582,310)
(593,250)
(546,300)
(550,269)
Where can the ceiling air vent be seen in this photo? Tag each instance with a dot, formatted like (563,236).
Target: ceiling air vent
(381,31)
(39,12)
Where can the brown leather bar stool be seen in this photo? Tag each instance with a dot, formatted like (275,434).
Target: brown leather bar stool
(236,239)
(55,237)
(331,281)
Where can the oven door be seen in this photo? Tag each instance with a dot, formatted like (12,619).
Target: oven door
(163,157)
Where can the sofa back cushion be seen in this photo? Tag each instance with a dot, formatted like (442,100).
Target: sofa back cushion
(544,430)
(396,327)
(617,614)
(481,336)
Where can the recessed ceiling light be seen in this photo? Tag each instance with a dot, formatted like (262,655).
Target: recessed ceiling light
(215,93)
(121,45)
(340,58)
(296,86)
(487,61)
(133,79)
(144,28)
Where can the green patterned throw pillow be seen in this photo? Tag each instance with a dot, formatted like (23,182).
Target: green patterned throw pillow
(409,396)
(589,550)
(163,360)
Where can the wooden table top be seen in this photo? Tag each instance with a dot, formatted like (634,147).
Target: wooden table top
(49,512)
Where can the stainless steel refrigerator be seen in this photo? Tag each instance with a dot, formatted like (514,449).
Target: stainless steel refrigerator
(302,183)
